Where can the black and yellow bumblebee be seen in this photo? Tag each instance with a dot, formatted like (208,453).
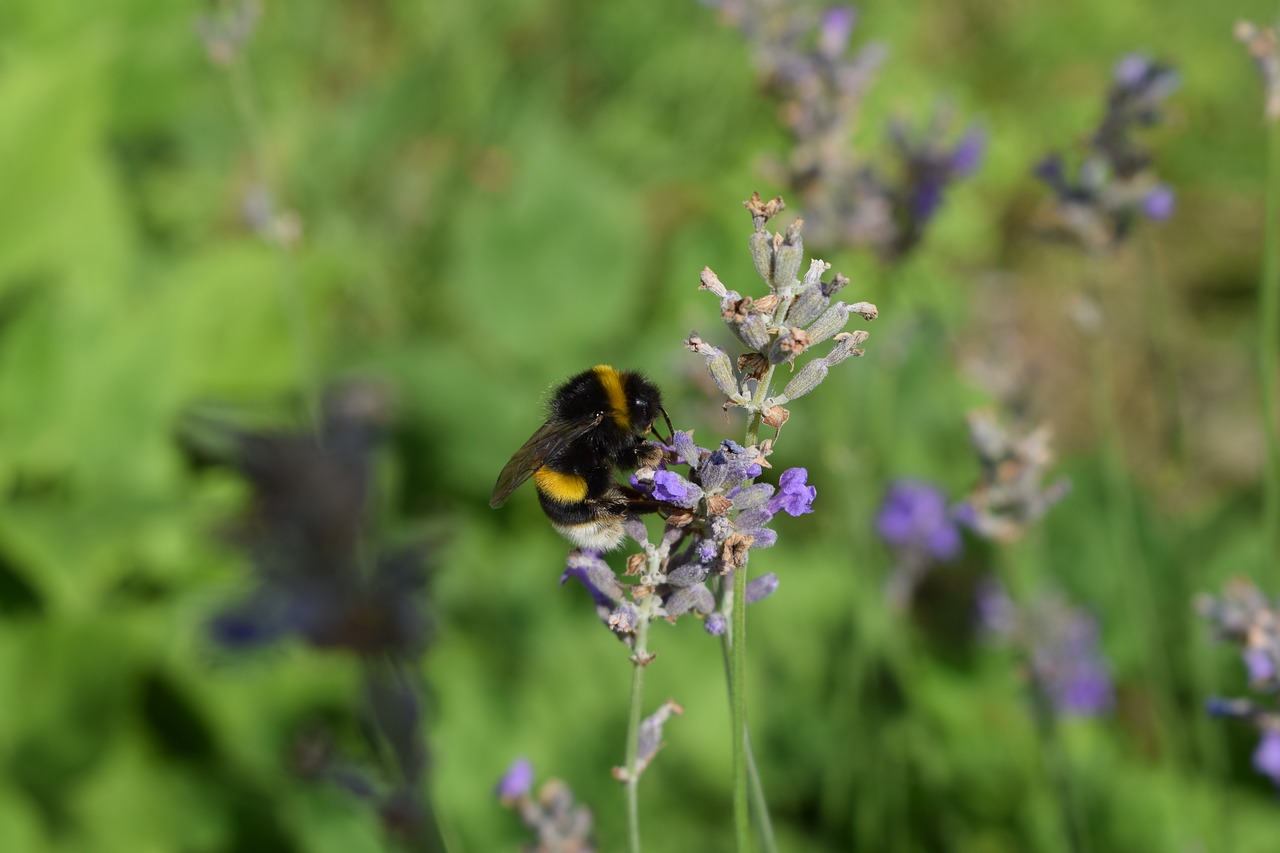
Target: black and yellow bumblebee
(596,423)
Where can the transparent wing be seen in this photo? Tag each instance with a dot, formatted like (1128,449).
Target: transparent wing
(549,438)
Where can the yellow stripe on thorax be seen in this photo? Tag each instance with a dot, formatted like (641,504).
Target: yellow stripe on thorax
(611,382)
(566,488)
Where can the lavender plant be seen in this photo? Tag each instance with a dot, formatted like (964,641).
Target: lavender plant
(919,526)
(319,579)
(1065,662)
(716,512)
(1010,494)
(558,822)
(1114,184)
(1244,616)
(805,60)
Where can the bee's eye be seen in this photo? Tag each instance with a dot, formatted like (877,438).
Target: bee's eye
(642,408)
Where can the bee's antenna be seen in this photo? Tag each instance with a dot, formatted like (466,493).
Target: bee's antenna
(671,431)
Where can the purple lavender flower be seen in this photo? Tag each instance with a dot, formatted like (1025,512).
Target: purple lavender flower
(761,588)
(1098,203)
(1158,204)
(834,30)
(670,487)
(517,781)
(1062,642)
(1266,758)
(795,497)
(716,624)
(915,515)
(1259,664)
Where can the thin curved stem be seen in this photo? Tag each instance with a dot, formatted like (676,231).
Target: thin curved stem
(1269,345)
(640,660)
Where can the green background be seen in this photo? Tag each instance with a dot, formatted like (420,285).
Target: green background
(494,196)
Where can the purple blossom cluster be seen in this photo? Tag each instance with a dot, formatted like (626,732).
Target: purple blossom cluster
(723,516)
(558,822)
(1061,642)
(805,58)
(1242,615)
(918,524)
(1114,184)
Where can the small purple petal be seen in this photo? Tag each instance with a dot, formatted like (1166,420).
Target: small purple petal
(1131,69)
(835,29)
(761,588)
(716,624)
(683,444)
(517,781)
(1266,758)
(1258,662)
(968,154)
(1158,205)
(670,487)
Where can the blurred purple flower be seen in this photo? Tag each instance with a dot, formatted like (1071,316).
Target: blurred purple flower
(761,588)
(1266,758)
(834,30)
(1158,205)
(716,624)
(915,515)
(517,781)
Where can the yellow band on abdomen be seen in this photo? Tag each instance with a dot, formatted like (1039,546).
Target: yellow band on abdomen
(611,382)
(566,488)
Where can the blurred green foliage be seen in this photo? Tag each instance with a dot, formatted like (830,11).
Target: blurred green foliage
(493,196)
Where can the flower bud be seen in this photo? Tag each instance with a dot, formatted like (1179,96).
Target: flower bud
(831,321)
(753,331)
(787,345)
(847,344)
(762,254)
(695,598)
(718,365)
(786,260)
(837,284)
(809,377)
(761,588)
(808,305)
(866,309)
(689,453)
(710,281)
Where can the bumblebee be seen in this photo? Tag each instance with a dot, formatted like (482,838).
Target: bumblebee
(596,424)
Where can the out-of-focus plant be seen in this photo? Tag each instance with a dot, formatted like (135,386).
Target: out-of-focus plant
(919,526)
(558,822)
(1244,616)
(1264,46)
(805,60)
(1114,184)
(320,577)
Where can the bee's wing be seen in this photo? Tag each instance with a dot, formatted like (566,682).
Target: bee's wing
(549,438)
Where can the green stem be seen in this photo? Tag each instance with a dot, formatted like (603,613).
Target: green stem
(738,707)
(640,660)
(292,304)
(1269,345)
(759,805)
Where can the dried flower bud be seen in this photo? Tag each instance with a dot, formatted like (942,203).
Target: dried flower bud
(831,321)
(847,344)
(813,278)
(775,416)
(635,565)
(752,365)
(787,345)
(710,281)
(808,306)
(767,304)
(734,550)
(761,243)
(718,365)
(866,309)
(838,283)
(753,331)
(786,261)
(718,505)
(809,377)
(762,211)
(1265,47)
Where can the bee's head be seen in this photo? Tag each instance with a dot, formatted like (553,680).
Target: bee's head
(644,401)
